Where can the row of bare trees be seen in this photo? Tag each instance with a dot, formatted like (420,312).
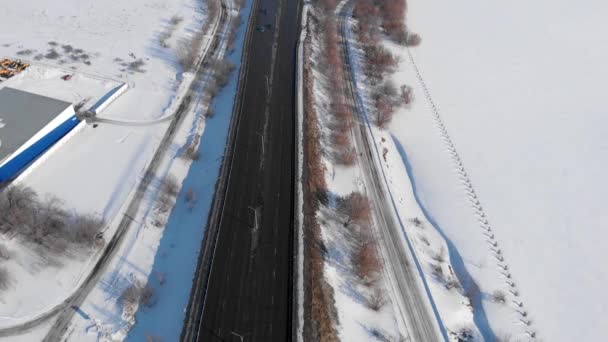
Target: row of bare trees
(378,19)
(45,225)
(45,221)
(319,294)
(340,111)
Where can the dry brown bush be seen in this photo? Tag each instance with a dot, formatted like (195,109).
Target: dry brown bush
(384,112)
(320,296)
(366,261)
(341,138)
(356,207)
(148,297)
(138,292)
(347,156)
(413,39)
(191,153)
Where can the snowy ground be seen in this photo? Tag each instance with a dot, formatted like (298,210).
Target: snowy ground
(518,86)
(165,257)
(93,170)
(431,256)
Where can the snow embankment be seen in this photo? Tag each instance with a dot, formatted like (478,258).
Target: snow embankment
(518,90)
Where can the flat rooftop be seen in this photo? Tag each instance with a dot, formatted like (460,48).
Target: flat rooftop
(22,115)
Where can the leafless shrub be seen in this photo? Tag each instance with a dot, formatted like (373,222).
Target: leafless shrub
(148,298)
(191,153)
(384,112)
(377,299)
(210,112)
(164,202)
(452,283)
(424,239)
(413,39)
(138,292)
(136,66)
(130,295)
(437,272)
(341,138)
(84,229)
(498,297)
(175,20)
(52,54)
(25,52)
(223,69)
(366,261)
(188,50)
(5,278)
(170,186)
(407,94)
(439,256)
(347,156)
(416,222)
(464,334)
(44,222)
(356,207)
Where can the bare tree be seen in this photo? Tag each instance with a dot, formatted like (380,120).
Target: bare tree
(366,261)
(406,94)
(413,39)
(356,207)
(170,186)
(131,294)
(148,297)
(377,299)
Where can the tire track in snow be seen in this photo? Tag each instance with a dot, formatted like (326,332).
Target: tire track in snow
(493,247)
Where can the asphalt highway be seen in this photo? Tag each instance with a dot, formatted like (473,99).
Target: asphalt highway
(248,290)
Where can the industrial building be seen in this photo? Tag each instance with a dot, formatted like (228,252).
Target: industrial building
(29,125)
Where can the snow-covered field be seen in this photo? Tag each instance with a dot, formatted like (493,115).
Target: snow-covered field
(519,87)
(93,170)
